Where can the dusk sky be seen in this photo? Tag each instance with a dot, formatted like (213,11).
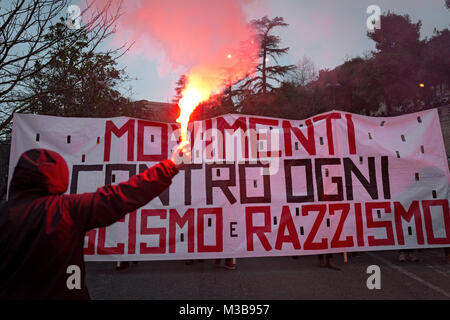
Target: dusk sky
(326,31)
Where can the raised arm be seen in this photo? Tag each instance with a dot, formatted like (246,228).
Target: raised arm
(110,203)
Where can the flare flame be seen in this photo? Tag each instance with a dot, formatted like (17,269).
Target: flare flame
(191,97)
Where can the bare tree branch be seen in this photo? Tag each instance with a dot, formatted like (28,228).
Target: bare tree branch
(26,49)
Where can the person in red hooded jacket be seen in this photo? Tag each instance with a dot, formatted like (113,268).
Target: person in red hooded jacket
(42,229)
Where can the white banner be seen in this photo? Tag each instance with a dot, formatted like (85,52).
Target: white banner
(260,186)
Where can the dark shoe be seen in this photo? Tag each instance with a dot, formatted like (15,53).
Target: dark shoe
(121,265)
(331,265)
(412,257)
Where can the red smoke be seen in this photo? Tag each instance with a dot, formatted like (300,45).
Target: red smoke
(210,39)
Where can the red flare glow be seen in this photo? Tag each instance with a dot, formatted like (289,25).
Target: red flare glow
(211,40)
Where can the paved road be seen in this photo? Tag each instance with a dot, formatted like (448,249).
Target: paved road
(274,278)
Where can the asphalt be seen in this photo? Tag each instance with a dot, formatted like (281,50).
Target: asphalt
(275,278)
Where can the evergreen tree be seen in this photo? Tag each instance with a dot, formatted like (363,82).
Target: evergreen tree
(76,81)
(269,72)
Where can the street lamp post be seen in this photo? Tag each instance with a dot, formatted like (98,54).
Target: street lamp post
(333,88)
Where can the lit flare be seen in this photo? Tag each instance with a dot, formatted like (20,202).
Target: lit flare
(192,96)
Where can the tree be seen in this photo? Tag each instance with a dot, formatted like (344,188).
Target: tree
(77,81)
(397,59)
(398,32)
(435,69)
(359,87)
(33,40)
(268,73)
(304,72)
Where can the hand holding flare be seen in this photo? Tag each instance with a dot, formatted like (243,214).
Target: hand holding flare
(182,154)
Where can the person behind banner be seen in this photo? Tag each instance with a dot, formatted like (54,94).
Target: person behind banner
(326,261)
(228,264)
(42,230)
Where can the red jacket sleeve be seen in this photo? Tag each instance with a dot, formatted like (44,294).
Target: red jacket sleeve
(110,203)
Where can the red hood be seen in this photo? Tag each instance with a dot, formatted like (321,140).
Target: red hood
(40,171)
